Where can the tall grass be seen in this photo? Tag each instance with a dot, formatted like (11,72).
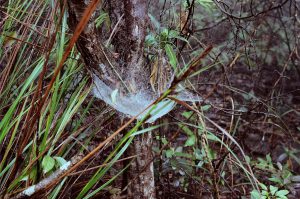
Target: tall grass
(29,61)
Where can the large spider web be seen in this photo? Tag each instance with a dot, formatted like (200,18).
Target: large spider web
(133,104)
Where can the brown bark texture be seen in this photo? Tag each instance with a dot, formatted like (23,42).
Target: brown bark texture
(128,67)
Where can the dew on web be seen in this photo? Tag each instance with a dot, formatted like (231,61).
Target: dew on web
(134,104)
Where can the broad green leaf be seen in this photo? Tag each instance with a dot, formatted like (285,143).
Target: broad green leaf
(255,194)
(282,193)
(269,159)
(207,4)
(48,163)
(165,33)
(273,190)
(265,193)
(179,149)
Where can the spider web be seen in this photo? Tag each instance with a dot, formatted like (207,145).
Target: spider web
(133,104)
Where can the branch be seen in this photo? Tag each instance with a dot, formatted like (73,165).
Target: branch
(42,185)
(252,14)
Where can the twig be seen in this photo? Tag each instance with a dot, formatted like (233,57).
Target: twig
(49,180)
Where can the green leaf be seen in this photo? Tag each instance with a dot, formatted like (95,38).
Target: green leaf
(282,193)
(187,130)
(190,141)
(211,154)
(207,4)
(150,40)
(151,128)
(171,55)
(212,137)
(282,197)
(187,114)
(164,140)
(255,194)
(248,160)
(185,155)
(269,159)
(164,33)
(169,153)
(173,33)
(206,107)
(198,155)
(25,178)
(102,17)
(61,161)
(265,193)
(273,190)
(276,180)
(48,163)
(264,187)
(179,149)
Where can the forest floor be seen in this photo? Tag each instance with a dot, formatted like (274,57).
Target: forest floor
(266,106)
(263,117)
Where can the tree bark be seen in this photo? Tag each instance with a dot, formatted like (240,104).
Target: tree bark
(141,176)
(129,68)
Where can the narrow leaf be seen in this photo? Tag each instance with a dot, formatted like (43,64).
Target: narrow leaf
(171,55)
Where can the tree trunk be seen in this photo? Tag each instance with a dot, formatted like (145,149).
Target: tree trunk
(141,176)
(126,72)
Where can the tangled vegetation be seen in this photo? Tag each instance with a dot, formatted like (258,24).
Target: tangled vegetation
(150,99)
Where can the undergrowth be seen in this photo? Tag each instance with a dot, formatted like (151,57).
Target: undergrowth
(58,141)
